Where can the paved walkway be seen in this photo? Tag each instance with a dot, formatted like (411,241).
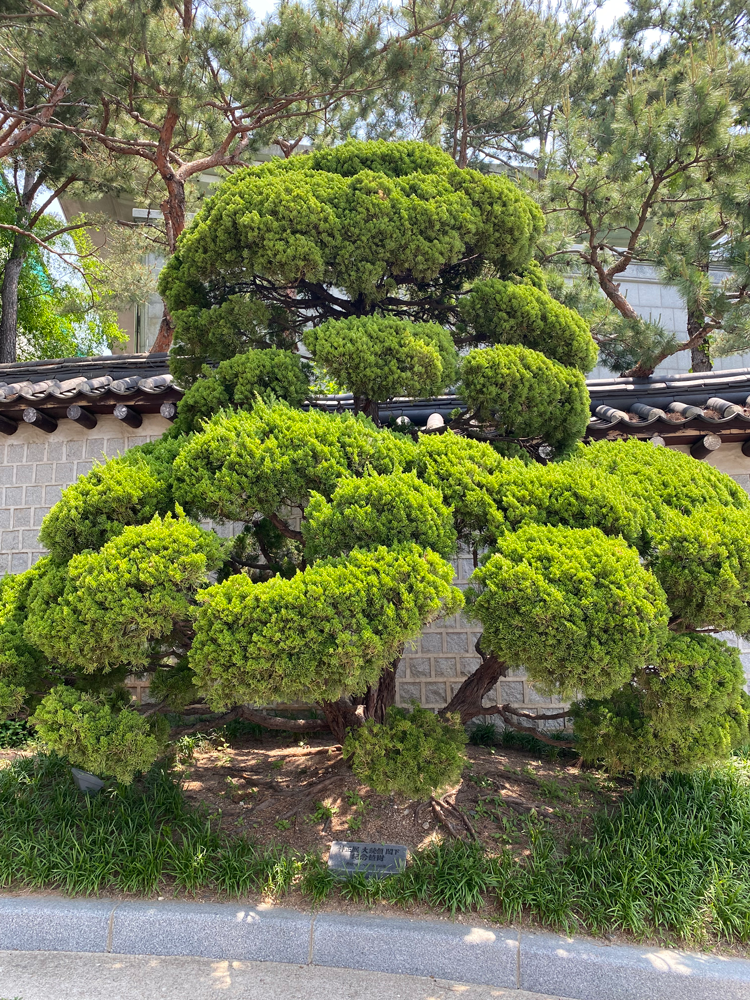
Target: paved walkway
(50,975)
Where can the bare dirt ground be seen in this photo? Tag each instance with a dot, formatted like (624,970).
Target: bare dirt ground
(278,791)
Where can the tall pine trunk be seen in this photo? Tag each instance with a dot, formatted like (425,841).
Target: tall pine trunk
(174,213)
(9,302)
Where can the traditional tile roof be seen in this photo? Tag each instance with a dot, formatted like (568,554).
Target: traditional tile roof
(88,378)
(700,409)
(128,385)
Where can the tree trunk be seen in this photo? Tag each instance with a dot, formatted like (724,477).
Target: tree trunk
(369,407)
(467,701)
(165,335)
(612,290)
(380,698)
(173,211)
(700,356)
(9,316)
(341,716)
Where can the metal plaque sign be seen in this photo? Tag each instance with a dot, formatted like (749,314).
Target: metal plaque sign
(374,860)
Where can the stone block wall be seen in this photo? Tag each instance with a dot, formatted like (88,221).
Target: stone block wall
(35,468)
(436,664)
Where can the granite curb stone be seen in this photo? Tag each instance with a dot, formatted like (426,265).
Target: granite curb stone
(577,968)
(34,924)
(589,970)
(213,930)
(417,948)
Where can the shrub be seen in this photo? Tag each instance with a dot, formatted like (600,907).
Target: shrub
(526,395)
(412,753)
(94,737)
(685,712)
(462,469)
(505,312)
(22,664)
(245,463)
(378,357)
(11,699)
(98,507)
(240,381)
(703,563)
(333,627)
(566,494)
(104,609)
(376,511)
(575,607)
(366,220)
(659,478)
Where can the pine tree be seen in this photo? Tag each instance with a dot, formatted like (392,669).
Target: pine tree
(649,179)
(180,90)
(604,575)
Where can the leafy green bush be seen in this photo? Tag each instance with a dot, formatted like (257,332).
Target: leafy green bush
(376,511)
(526,395)
(483,734)
(566,494)
(98,507)
(22,664)
(238,382)
(379,357)
(411,753)
(91,735)
(104,609)
(377,256)
(703,563)
(505,312)
(244,463)
(11,699)
(575,607)
(333,627)
(660,478)
(686,711)
(15,733)
(462,469)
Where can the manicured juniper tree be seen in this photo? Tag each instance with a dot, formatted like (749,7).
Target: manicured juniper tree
(604,569)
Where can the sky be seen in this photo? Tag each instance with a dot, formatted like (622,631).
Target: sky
(610,11)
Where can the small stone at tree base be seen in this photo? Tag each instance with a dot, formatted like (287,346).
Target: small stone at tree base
(88,783)
(374,860)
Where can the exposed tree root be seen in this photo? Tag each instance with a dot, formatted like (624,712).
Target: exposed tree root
(311,796)
(261,719)
(441,813)
(309,751)
(507,714)
(457,812)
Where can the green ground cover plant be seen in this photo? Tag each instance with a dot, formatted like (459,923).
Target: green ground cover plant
(672,858)
(15,733)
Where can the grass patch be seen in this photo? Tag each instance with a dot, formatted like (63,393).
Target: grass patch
(673,858)
(128,839)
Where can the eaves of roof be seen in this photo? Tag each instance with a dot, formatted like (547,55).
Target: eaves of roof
(677,409)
